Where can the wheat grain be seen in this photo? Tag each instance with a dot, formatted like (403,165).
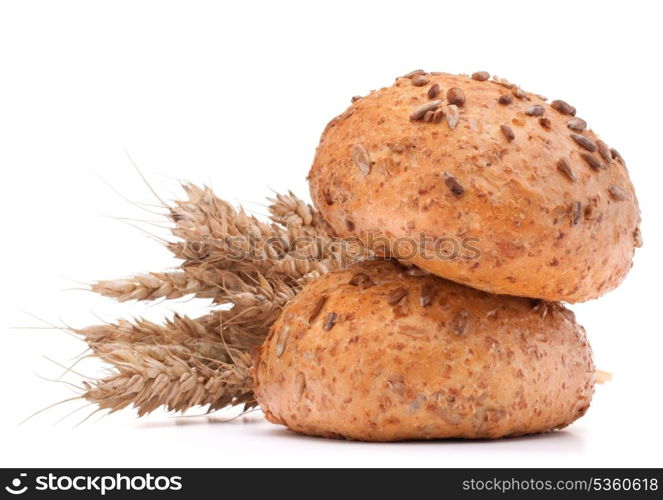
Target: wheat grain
(287,210)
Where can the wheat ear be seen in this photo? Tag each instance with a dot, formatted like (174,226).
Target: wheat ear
(151,286)
(170,376)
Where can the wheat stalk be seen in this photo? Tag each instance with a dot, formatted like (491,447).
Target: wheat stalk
(234,259)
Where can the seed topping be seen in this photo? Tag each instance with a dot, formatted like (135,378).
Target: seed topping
(417,403)
(459,323)
(637,237)
(361,280)
(508,132)
(416,271)
(396,147)
(591,213)
(545,122)
(434,90)
(300,384)
(593,161)
(434,116)
(576,212)
(456,96)
(604,151)
(419,81)
(577,124)
(396,296)
(519,93)
(563,107)
(453,184)
(564,167)
(414,73)
(615,155)
(536,110)
(505,99)
(453,116)
(330,321)
(617,193)
(427,295)
(361,158)
(503,82)
(584,142)
(397,384)
(281,341)
(480,76)
(421,111)
(317,307)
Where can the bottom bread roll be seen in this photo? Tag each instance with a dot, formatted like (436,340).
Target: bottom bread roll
(378,352)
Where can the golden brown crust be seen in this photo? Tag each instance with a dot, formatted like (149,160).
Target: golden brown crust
(374,353)
(551,212)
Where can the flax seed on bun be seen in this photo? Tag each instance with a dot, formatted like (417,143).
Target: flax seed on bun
(378,352)
(548,206)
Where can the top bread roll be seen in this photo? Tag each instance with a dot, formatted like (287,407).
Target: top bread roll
(479,182)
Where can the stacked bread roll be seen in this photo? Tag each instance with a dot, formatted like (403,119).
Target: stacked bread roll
(490,206)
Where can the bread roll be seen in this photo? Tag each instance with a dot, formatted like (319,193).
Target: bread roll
(481,183)
(378,353)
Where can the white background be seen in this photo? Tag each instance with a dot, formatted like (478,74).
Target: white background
(236,94)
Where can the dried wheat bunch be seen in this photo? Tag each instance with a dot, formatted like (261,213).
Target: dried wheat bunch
(176,377)
(248,268)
